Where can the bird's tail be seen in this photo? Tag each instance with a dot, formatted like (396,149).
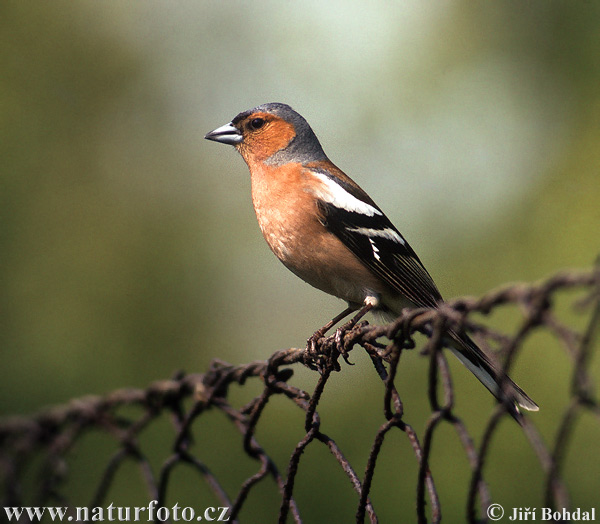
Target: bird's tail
(488,374)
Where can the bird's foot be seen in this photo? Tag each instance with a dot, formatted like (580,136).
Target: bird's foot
(315,357)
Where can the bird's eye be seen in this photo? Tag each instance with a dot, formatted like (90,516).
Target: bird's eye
(257,123)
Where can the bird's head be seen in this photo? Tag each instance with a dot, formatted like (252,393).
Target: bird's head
(271,133)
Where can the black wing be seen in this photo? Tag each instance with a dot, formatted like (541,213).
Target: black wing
(381,247)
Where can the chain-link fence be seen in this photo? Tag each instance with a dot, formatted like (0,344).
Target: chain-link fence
(46,441)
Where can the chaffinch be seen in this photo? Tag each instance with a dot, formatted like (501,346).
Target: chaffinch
(330,233)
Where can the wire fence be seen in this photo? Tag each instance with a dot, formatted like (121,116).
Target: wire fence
(47,438)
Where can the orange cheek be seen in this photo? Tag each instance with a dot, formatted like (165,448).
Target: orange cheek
(274,138)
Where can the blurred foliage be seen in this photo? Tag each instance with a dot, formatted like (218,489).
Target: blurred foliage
(97,271)
(128,248)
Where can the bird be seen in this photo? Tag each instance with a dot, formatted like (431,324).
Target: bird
(329,232)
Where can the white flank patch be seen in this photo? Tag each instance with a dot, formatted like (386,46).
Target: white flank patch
(371,301)
(335,194)
(388,233)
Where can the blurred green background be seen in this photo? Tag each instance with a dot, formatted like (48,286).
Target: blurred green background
(129,248)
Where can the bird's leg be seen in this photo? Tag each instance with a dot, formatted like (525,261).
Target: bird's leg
(321,331)
(312,341)
(349,325)
(361,313)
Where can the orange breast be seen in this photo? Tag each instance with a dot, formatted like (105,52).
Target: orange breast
(288,217)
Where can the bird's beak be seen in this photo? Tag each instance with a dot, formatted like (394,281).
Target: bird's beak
(227,134)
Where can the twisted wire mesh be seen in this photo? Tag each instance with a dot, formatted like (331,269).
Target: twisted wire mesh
(50,435)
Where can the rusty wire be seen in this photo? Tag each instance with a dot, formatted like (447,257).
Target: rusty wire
(52,433)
